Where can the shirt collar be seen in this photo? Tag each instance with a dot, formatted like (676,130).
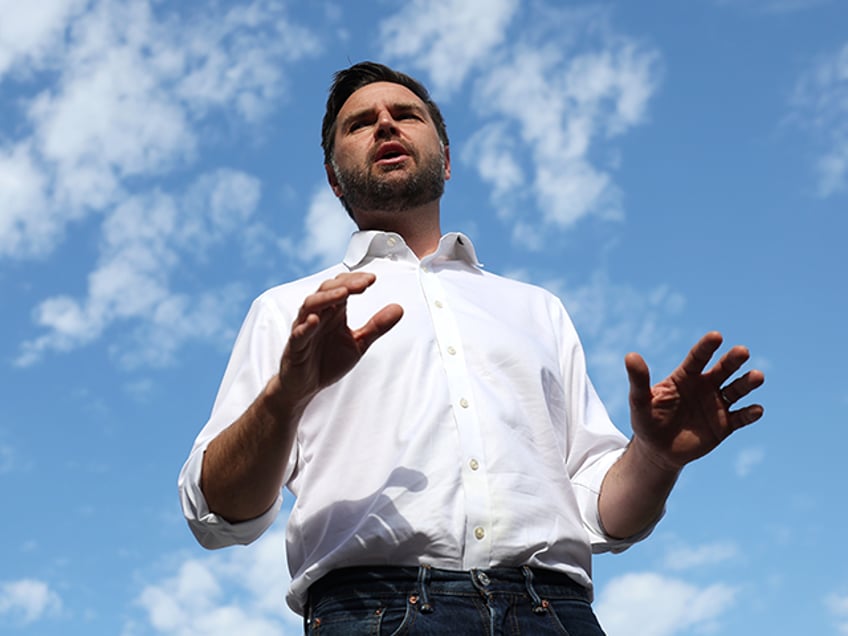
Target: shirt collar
(371,244)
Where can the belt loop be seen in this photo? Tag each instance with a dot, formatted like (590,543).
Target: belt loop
(423,581)
(540,606)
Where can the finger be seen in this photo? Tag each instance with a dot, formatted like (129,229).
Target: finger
(322,300)
(741,387)
(640,384)
(321,311)
(744,417)
(380,323)
(301,338)
(701,353)
(354,282)
(729,364)
(334,291)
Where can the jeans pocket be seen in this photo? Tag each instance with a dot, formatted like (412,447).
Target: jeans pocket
(575,617)
(397,618)
(346,619)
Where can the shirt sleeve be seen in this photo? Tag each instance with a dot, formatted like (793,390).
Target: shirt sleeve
(594,443)
(254,360)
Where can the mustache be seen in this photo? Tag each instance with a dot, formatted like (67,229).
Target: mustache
(378,149)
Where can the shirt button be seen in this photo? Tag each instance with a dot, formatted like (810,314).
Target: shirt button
(439,304)
(391,241)
(463,403)
(474,464)
(479,533)
(452,351)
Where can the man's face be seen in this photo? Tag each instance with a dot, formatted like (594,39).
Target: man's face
(387,154)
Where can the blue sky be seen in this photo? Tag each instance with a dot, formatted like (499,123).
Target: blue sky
(665,167)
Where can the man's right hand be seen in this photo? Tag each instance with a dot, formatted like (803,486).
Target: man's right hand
(243,466)
(322,348)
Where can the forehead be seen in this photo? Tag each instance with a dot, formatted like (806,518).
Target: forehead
(377,95)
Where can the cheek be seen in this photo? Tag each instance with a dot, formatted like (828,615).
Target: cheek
(351,155)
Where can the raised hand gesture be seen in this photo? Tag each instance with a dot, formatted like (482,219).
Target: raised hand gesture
(688,414)
(322,348)
(243,466)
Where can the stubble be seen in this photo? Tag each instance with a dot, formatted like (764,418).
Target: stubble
(366,189)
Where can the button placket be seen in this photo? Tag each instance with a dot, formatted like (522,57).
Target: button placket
(469,430)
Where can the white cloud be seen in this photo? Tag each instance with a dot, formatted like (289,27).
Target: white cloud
(28,225)
(553,83)
(747,459)
(614,319)
(550,86)
(28,600)
(327,229)
(132,91)
(688,557)
(556,104)
(446,38)
(820,104)
(143,242)
(659,605)
(235,591)
(837,605)
(7,458)
(30,32)
(773,6)
(492,150)
(133,97)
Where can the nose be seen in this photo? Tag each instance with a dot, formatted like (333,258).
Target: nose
(386,124)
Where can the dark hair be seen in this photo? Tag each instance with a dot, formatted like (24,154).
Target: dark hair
(348,81)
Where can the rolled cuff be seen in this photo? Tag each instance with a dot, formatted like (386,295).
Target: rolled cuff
(587,489)
(211,530)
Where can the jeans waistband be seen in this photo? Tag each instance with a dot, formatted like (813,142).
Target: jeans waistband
(425,579)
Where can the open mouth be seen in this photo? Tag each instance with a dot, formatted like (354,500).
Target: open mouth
(391,152)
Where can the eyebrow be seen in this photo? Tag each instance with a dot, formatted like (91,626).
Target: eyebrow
(396,107)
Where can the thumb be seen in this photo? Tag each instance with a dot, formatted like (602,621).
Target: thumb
(640,385)
(380,323)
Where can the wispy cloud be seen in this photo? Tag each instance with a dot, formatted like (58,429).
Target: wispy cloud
(31,33)
(820,105)
(238,591)
(560,83)
(837,605)
(131,93)
(660,605)
(144,240)
(28,600)
(135,96)
(446,38)
(688,557)
(773,6)
(747,459)
(326,231)
(614,319)
(7,458)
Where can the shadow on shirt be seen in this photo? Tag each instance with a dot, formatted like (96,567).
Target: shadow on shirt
(366,531)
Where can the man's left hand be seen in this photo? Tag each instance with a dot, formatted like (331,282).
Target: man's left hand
(688,414)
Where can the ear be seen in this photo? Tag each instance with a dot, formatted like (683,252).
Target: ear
(332,180)
(447,163)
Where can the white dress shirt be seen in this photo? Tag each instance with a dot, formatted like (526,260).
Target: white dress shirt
(469,436)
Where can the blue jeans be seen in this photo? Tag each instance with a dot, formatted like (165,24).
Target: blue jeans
(424,601)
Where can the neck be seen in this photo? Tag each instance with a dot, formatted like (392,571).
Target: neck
(418,226)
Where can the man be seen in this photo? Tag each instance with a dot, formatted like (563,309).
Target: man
(454,468)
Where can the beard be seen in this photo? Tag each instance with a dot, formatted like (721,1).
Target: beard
(363,189)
